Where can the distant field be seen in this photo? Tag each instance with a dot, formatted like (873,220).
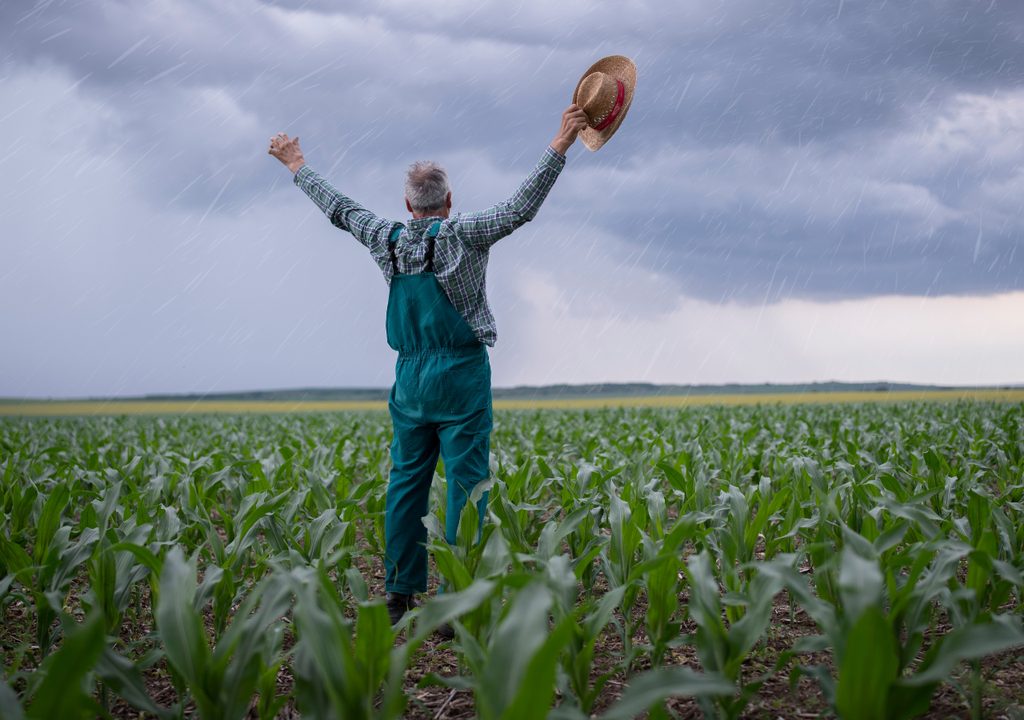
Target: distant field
(176,407)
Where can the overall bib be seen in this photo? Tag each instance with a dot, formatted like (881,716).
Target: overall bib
(440,404)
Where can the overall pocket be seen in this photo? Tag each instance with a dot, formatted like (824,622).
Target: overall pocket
(407,382)
(467,383)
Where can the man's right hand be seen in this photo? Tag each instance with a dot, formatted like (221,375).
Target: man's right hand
(573,120)
(287,151)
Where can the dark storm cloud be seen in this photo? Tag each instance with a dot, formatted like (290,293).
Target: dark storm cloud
(775,149)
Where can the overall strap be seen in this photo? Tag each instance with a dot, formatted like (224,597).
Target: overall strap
(432,235)
(391,247)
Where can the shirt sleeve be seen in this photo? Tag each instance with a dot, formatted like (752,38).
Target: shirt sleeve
(483,229)
(345,213)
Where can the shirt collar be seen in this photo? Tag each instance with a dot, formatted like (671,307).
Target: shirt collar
(418,225)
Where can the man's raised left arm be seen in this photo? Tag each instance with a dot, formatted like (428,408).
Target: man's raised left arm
(483,229)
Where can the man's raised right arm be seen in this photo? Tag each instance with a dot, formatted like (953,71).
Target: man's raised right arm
(343,211)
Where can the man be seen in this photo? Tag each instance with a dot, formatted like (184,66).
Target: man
(439,321)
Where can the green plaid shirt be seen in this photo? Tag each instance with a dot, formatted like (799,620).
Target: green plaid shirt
(462,245)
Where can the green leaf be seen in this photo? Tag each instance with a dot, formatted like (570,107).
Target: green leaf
(455,573)
(61,693)
(495,557)
(325,676)
(594,623)
(15,560)
(868,668)
(971,642)
(49,519)
(10,705)
(532,700)
(5,586)
(180,627)
(374,638)
(745,633)
(1009,572)
(553,534)
(860,583)
(357,584)
(143,554)
(245,648)
(653,686)
(513,644)
(103,578)
(123,677)
(449,606)
(892,536)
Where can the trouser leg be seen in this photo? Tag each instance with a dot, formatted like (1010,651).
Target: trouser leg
(465,447)
(414,452)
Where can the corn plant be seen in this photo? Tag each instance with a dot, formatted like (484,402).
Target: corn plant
(342,666)
(513,674)
(875,642)
(723,645)
(220,680)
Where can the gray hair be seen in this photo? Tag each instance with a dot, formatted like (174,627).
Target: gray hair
(426,186)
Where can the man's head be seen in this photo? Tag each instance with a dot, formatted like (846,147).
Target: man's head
(426,190)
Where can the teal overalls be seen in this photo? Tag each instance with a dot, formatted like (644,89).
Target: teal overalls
(440,404)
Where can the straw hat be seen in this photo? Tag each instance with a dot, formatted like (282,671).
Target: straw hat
(604,93)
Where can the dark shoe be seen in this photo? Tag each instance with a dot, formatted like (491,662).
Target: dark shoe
(445,631)
(398,604)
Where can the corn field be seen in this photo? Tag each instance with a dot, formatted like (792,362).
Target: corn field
(854,561)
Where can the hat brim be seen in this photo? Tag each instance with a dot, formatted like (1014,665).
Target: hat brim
(623,69)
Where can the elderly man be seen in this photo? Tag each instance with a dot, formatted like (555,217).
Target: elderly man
(440,323)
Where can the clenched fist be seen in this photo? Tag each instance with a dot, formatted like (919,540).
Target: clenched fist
(287,150)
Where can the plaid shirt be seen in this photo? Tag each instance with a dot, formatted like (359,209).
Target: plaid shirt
(462,245)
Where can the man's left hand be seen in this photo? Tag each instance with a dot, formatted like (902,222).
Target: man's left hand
(573,120)
(287,150)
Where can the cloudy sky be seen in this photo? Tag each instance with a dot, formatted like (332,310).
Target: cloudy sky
(803,190)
